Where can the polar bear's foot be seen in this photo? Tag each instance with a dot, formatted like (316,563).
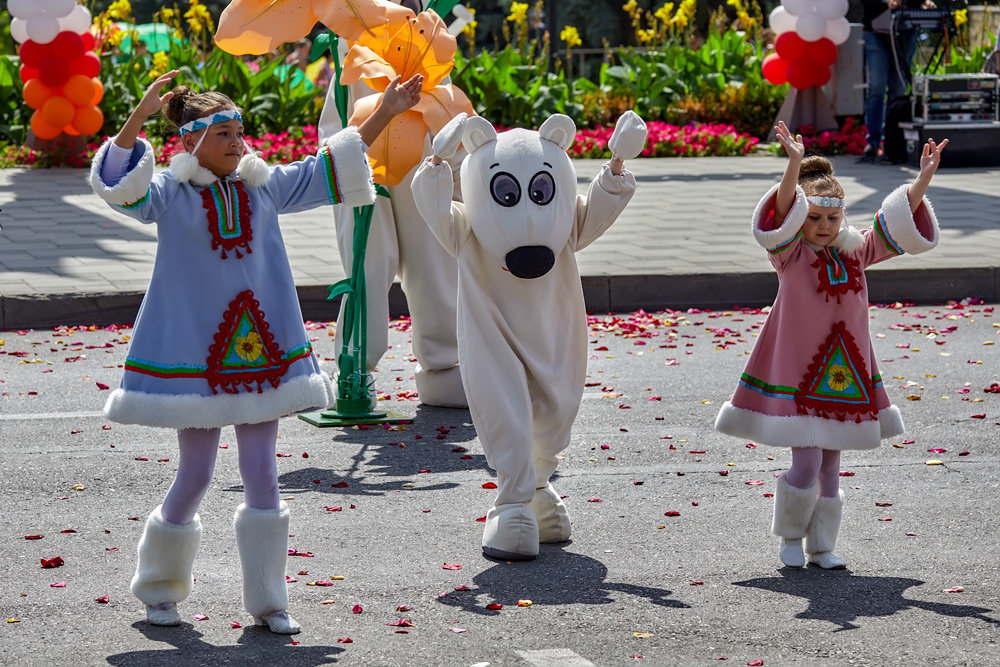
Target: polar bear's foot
(442,389)
(552,516)
(511,532)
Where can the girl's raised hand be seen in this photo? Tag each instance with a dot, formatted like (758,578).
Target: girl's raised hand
(930,157)
(152,101)
(398,97)
(793,144)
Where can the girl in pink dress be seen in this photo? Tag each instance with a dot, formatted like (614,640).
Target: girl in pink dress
(812,383)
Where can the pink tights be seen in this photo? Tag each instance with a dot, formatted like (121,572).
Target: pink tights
(196,463)
(812,464)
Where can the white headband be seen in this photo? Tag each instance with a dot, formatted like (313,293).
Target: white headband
(830,202)
(218,117)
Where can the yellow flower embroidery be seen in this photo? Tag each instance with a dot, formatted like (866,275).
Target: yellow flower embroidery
(249,347)
(839,378)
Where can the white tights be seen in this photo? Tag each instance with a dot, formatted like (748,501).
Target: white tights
(811,464)
(196,463)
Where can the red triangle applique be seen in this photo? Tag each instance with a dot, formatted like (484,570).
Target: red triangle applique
(244,352)
(837,384)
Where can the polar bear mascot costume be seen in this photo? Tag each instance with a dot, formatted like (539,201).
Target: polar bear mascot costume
(522,329)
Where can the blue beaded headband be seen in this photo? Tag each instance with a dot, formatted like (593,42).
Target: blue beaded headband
(218,117)
(831,202)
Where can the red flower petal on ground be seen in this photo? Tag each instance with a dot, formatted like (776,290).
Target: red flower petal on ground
(723,472)
(594,500)
(235,625)
(33,537)
(963,453)
(459,450)
(339,485)
(481,519)
(200,617)
(61,584)
(451,566)
(104,599)
(335,508)
(697,583)
(55,561)
(937,451)
(672,513)
(885,518)
(755,663)
(102,386)
(357,609)
(458,630)
(345,640)
(424,470)
(754,482)
(983,416)
(846,473)
(490,485)
(462,588)
(495,606)
(403,607)
(402,623)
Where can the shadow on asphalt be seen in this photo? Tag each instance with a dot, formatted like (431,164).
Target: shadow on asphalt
(255,646)
(556,577)
(380,465)
(841,597)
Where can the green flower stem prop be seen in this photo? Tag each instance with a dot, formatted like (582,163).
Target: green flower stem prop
(355,393)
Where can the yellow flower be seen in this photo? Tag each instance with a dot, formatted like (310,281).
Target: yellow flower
(961,16)
(663,13)
(120,9)
(630,7)
(161,59)
(684,13)
(570,36)
(645,36)
(470,29)
(519,12)
(249,347)
(839,378)
(198,18)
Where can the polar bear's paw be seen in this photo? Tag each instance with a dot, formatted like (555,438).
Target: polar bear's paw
(552,516)
(442,389)
(511,532)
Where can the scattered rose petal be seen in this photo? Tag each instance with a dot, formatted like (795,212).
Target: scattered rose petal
(296,552)
(937,451)
(672,513)
(846,473)
(451,566)
(33,537)
(457,631)
(697,583)
(754,482)
(102,386)
(982,416)
(200,617)
(104,599)
(61,584)
(403,607)
(481,519)
(723,472)
(328,601)
(910,534)
(336,508)
(885,518)
(235,625)
(595,499)
(495,606)
(339,485)
(954,589)
(345,640)
(357,609)
(55,561)
(490,485)
(402,623)
(755,663)
(463,587)
(320,582)
(963,453)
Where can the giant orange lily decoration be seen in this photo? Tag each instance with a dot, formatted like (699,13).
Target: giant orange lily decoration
(418,45)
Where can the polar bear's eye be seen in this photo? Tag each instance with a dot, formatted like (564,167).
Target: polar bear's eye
(542,188)
(505,189)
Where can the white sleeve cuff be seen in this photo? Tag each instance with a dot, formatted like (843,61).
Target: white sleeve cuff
(134,185)
(904,231)
(351,171)
(776,240)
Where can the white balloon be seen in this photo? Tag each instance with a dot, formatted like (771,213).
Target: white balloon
(798,7)
(77,21)
(19,30)
(42,27)
(781,21)
(832,9)
(810,26)
(57,8)
(838,30)
(22,9)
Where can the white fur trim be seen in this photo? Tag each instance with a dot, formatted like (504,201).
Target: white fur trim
(354,181)
(196,411)
(824,527)
(253,170)
(133,186)
(186,169)
(163,572)
(793,507)
(262,540)
(848,238)
(789,228)
(901,225)
(807,431)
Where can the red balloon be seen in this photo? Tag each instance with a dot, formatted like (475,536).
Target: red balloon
(790,46)
(67,45)
(89,64)
(821,74)
(54,72)
(33,54)
(821,52)
(28,73)
(88,41)
(801,73)
(775,69)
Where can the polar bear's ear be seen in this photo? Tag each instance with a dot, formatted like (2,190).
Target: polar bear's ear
(559,129)
(478,132)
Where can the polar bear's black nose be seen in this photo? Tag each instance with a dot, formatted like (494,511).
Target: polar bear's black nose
(530,261)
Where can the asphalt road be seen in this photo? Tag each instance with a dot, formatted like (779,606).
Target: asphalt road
(635,586)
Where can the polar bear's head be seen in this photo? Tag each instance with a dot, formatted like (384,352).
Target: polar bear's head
(519,189)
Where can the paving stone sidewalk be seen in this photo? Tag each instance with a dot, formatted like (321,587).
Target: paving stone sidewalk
(683,241)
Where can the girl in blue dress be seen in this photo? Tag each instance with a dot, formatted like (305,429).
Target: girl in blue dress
(219,337)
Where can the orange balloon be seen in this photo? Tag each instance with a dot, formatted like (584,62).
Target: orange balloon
(58,111)
(36,93)
(88,120)
(98,91)
(79,90)
(42,128)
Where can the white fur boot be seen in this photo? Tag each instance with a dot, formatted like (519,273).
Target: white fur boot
(262,540)
(552,516)
(511,532)
(441,388)
(163,574)
(793,507)
(821,536)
